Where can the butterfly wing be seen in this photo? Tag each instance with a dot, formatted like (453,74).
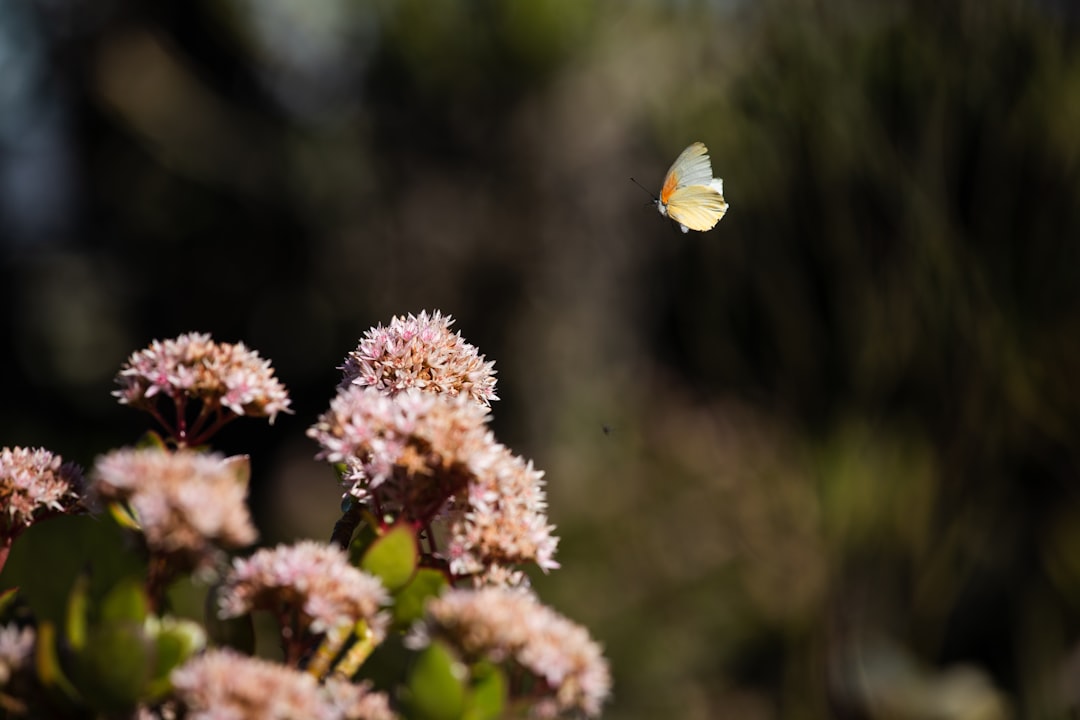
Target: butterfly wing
(692,167)
(697,207)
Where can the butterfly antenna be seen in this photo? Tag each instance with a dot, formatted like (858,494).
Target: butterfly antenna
(654,198)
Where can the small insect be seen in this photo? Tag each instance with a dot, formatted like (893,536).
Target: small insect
(690,195)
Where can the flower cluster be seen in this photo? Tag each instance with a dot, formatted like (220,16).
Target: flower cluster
(413,442)
(229,380)
(34,483)
(316,579)
(16,645)
(357,701)
(225,684)
(415,445)
(420,351)
(507,625)
(187,503)
(504,522)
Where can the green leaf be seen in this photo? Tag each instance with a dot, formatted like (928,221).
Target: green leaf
(7,599)
(151,439)
(125,602)
(365,538)
(46,559)
(393,557)
(240,466)
(114,669)
(78,613)
(175,641)
(436,690)
(123,516)
(47,661)
(487,699)
(409,602)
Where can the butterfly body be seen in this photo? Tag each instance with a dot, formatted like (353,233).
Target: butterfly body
(690,195)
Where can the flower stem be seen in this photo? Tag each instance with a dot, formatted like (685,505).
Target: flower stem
(5,550)
(365,644)
(160,574)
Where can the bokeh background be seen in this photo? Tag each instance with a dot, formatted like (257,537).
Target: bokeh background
(821,462)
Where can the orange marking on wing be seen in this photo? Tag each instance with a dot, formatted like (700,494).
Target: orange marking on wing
(669,187)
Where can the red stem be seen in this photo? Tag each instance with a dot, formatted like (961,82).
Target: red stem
(222,420)
(181,419)
(169,430)
(293,641)
(158,578)
(200,420)
(5,550)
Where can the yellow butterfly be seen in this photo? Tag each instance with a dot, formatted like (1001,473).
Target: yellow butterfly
(691,196)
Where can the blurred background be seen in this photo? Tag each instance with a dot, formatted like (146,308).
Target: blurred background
(820,462)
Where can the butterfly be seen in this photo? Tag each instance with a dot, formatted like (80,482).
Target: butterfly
(690,195)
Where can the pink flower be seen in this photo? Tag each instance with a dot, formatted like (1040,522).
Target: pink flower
(409,427)
(411,450)
(431,457)
(504,521)
(504,625)
(228,380)
(420,351)
(187,503)
(222,684)
(16,648)
(34,484)
(313,579)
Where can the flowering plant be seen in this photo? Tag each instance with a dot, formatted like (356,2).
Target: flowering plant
(417,607)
